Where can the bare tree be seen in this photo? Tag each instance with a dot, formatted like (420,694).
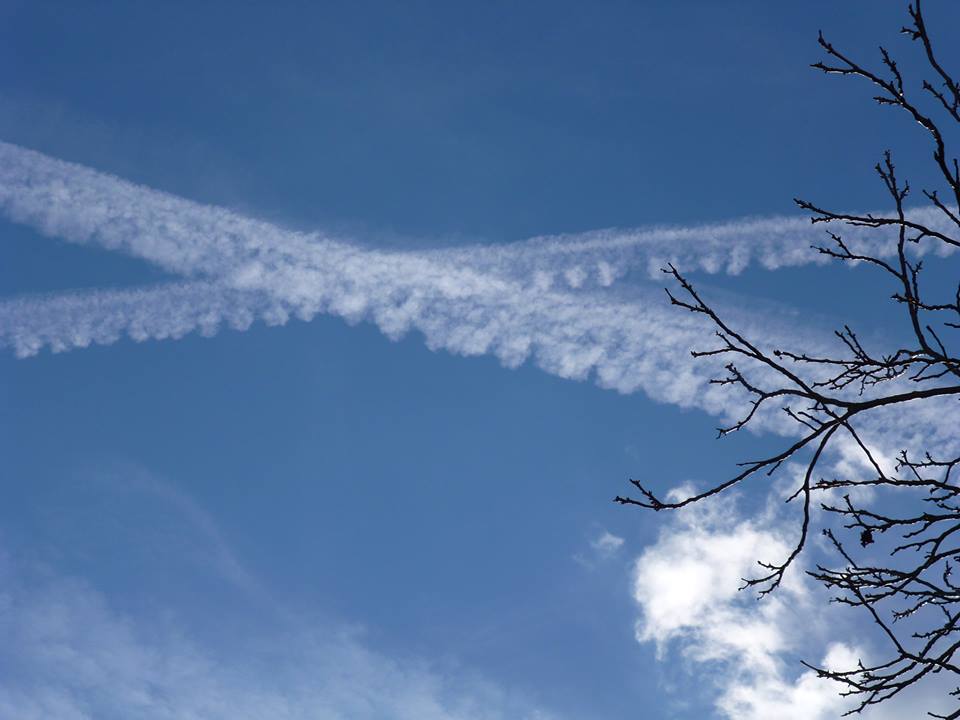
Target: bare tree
(896,565)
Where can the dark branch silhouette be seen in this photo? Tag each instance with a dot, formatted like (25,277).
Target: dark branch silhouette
(898,567)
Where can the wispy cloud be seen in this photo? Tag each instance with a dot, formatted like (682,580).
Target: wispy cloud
(602,547)
(67,653)
(72,651)
(606,544)
(197,530)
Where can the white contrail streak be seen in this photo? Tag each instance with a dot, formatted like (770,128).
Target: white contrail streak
(601,256)
(71,320)
(255,269)
(85,206)
(468,301)
(629,345)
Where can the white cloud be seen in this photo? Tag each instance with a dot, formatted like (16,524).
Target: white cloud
(606,544)
(692,575)
(71,651)
(807,697)
(687,589)
(67,654)
(746,650)
(603,547)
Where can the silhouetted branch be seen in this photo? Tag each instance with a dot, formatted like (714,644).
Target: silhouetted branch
(910,595)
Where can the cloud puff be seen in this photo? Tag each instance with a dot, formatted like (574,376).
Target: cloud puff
(606,544)
(806,697)
(687,589)
(746,651)
(603,547)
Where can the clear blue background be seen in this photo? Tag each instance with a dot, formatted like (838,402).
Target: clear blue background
(438,501)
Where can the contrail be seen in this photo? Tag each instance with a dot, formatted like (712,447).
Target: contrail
(82,205)
(72,320)
(627,343)
(467,301)
(601,256)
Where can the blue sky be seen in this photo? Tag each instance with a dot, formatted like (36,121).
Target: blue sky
(314,519)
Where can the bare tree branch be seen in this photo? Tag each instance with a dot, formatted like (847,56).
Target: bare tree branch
(902,572)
